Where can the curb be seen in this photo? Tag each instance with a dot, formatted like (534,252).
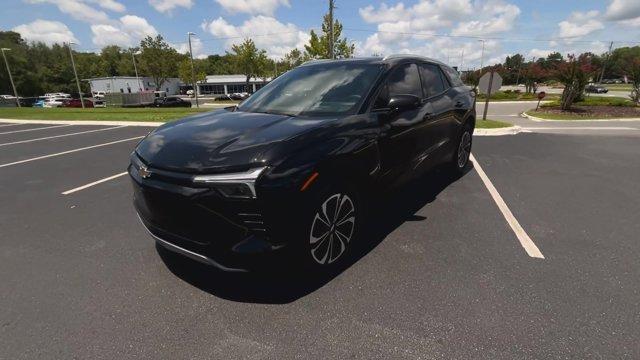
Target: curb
(538,119)
(85,122)
(512,130)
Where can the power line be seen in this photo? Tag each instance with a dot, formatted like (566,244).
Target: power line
(479,37)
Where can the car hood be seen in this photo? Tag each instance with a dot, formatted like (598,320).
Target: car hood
(219,140)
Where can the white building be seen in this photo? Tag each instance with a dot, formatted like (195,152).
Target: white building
(229,84)
(131,84)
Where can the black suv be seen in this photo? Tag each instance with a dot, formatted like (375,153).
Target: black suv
(289,172)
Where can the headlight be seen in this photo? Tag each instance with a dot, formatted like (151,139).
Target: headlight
(233,185)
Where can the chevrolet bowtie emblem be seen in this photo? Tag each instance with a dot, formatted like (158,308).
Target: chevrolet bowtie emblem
(144,172)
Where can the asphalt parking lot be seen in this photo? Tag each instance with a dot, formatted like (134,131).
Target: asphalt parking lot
(443,274)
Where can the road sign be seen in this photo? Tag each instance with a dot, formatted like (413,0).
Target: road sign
(490,82)
(541,96)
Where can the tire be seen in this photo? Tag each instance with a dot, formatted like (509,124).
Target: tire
(332,226)
(462,151)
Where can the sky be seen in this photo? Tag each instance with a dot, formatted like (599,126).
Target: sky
(453,31)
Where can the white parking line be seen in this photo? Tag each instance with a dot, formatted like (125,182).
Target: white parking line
(3,125)
(42,128)
(68,152)
(526,242)
(59,136)
(94,183)
(582,128)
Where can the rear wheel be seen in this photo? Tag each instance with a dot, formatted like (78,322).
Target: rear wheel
(460,159)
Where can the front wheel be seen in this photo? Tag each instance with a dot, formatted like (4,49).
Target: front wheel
(332,228)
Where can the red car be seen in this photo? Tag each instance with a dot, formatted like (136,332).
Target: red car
(75,103)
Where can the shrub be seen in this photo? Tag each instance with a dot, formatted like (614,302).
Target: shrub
(574,74)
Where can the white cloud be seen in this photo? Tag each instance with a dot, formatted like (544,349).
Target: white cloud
(48,32)
(494,16)
(280,38)
(579,24)
(196,46)
(110,5)
(166,6)
(78,10)
(623,10)
(126,33)
(255,7)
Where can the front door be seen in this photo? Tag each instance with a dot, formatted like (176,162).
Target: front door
(401,142)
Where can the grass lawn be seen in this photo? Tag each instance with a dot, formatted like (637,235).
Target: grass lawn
(115,114)
(573,116)
(514,96)
(618,87)
(491,124)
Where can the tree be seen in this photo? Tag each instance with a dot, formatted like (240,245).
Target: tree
(634,74)
(574,74)
(158,60)
(318,47)
(531,74)
(249,60)
(184,71)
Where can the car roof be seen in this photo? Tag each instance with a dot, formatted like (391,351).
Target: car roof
(387,60)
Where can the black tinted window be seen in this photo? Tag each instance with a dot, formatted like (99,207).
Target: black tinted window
(405,81)
(432,81)
(453,76)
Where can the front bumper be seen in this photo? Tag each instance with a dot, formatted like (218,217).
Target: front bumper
(231,235)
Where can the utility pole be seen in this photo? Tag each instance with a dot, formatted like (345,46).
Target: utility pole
(193,75)
(461,59)
(604,64)
(15,93)
(135,68)
(73,64)
(331,48)
(482,57)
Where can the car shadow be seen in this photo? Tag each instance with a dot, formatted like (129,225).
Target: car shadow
(280,286)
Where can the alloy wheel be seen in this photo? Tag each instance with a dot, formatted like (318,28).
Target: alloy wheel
(464,149)
(332,228)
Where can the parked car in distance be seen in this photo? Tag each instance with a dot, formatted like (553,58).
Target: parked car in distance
(190,93)
(28,101)
(287,176)
(53,102)
(596,89)
(58,95)
(98,103)
(239,96)
(39,103)
(76,103)
(98,94)
(7,97)
(171,101)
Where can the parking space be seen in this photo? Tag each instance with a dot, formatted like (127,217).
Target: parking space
(443,274)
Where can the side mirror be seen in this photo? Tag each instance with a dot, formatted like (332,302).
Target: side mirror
(403,102)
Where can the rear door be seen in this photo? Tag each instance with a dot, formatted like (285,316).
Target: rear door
(439,122)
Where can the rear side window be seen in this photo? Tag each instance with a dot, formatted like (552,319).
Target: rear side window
(405,80)
(453,76)
(432,81)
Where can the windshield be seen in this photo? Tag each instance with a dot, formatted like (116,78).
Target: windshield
(336,88)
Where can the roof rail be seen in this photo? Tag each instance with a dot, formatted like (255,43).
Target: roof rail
(313,61)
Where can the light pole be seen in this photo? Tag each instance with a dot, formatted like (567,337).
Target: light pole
(135,68)
(73,64)
(461,59)
(193,75)
(482,57)
(15,93)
